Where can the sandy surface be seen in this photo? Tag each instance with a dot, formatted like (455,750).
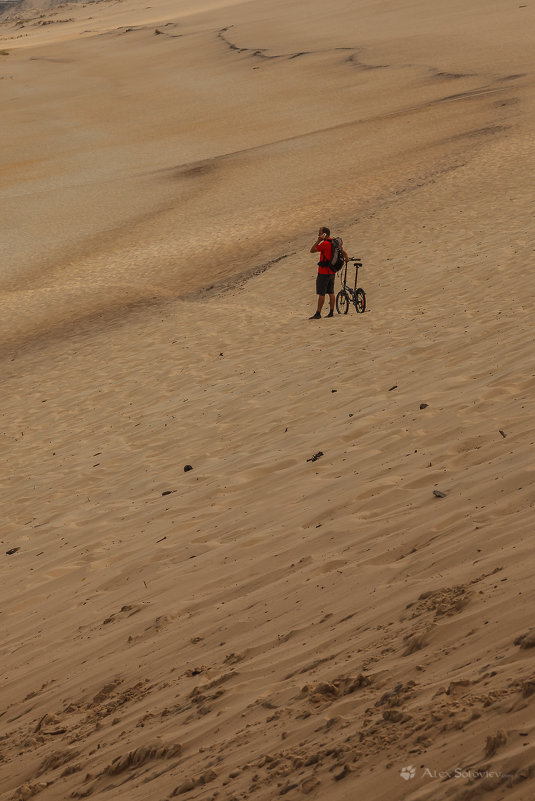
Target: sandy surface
(265,625)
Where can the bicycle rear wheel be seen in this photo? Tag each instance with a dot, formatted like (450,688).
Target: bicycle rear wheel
(342,302)
(360,301)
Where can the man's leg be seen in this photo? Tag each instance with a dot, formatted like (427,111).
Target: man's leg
(331,298)
(320,292)
(317,314)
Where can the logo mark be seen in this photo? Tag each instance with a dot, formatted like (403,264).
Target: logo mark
(408,773)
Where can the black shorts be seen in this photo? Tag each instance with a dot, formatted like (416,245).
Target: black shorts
(324,284)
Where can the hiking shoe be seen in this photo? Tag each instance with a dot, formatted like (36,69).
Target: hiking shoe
(331,313)
(316,316)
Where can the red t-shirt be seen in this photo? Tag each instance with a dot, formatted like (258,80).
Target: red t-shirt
(325,249)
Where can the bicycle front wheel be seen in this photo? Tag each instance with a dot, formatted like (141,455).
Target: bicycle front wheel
(360,301)
(342,302)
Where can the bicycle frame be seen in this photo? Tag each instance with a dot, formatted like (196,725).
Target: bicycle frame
(351,291)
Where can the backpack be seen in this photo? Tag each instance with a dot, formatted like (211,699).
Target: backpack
(337,261)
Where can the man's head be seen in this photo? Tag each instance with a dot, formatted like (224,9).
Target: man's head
(324,231)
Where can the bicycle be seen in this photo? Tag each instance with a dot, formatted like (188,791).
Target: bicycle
(348,295)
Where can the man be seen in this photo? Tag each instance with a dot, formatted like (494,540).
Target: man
(325,277)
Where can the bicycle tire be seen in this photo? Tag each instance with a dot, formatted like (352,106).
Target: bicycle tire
(342,302)
(360,301)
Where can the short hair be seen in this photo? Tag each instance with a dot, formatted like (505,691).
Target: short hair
(326,230)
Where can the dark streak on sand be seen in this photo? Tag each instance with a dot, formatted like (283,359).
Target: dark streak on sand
(260,52)
(236,281)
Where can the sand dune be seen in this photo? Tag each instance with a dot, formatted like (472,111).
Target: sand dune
(267,623)
(129,141)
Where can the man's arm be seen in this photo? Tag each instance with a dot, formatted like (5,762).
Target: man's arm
(346,257)
(315,247)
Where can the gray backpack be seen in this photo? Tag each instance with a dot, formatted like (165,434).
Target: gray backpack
(337,261)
